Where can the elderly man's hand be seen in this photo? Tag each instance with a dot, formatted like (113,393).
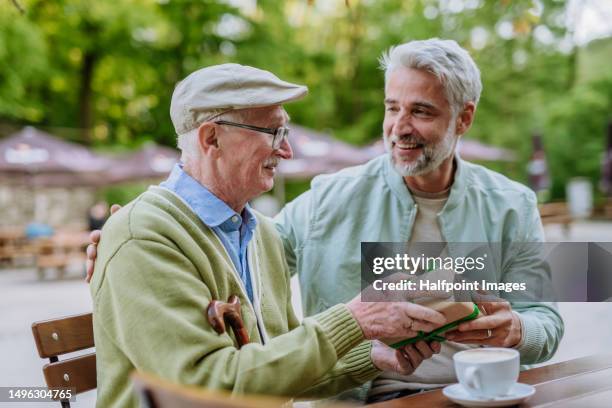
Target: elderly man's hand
(92,249)
(388,320)
(501,327)
(405,360)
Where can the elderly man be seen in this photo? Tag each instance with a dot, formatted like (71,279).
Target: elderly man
(421,191)
(194,238)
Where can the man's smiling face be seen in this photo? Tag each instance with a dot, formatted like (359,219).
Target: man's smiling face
(419,126)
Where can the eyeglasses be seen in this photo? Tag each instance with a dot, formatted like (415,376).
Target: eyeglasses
(279,134)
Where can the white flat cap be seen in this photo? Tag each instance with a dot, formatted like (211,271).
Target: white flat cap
(211,91)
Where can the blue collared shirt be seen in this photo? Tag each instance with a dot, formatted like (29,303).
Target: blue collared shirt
(234,231)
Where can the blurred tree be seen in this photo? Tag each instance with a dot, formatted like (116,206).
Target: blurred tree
(20,71)
(111,65)
(109,68)
(80,34)
(576,133)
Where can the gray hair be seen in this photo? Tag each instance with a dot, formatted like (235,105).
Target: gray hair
(188,142)
(453,66)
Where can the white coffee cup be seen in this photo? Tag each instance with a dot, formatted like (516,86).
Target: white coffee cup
(487,372)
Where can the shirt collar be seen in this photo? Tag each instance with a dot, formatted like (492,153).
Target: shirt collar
(208,207)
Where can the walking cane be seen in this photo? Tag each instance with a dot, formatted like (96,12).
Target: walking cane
(219,312)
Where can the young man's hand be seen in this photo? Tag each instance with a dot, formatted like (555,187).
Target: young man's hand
(92,253)
(501,327)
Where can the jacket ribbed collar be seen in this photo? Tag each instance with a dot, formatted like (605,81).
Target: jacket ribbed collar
(398,186)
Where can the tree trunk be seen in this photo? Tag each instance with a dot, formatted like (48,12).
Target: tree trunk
(573,61)
(86,96)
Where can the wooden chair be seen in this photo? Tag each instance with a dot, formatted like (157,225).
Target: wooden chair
(57,337)
(157,393)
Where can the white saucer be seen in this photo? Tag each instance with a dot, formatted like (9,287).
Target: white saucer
(517,394)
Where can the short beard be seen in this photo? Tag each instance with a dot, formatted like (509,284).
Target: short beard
(432,156)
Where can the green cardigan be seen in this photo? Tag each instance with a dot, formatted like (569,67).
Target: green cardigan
(157,269)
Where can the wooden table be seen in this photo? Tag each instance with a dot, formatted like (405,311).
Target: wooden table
(583,382)
(63,249)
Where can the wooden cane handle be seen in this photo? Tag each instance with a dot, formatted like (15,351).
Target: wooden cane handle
(219,312)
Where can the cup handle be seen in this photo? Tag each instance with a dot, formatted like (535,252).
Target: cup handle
(472,380)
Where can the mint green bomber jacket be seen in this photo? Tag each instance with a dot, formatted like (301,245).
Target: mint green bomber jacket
(322,230)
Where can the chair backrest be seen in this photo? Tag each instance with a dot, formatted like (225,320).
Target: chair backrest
(57,337)
(157,393)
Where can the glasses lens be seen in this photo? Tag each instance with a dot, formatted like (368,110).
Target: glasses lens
(280,135)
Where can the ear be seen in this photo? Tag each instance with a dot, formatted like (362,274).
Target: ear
(207,138)
(465,119)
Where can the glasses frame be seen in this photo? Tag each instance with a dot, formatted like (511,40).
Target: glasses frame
(279,134)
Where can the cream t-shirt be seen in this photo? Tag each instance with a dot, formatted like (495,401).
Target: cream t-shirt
(437,371)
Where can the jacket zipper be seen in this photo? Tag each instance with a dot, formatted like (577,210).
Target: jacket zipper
(412,219)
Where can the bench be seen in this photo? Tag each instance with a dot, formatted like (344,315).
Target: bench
(556,213)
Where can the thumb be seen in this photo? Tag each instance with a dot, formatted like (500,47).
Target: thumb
(114,208)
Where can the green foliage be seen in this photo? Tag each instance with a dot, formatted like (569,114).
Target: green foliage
(575,127)
(295,188)
(20,71)
(123,193)
(594,61)
(111,67)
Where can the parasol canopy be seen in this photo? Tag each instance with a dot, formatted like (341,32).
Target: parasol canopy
(34,157)
(316,152)
(151,162)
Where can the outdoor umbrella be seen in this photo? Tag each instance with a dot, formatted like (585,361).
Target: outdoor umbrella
(316,153)
(151,162)
(35,158)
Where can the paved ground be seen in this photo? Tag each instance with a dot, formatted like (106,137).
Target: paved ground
(582,231)
(23,300)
